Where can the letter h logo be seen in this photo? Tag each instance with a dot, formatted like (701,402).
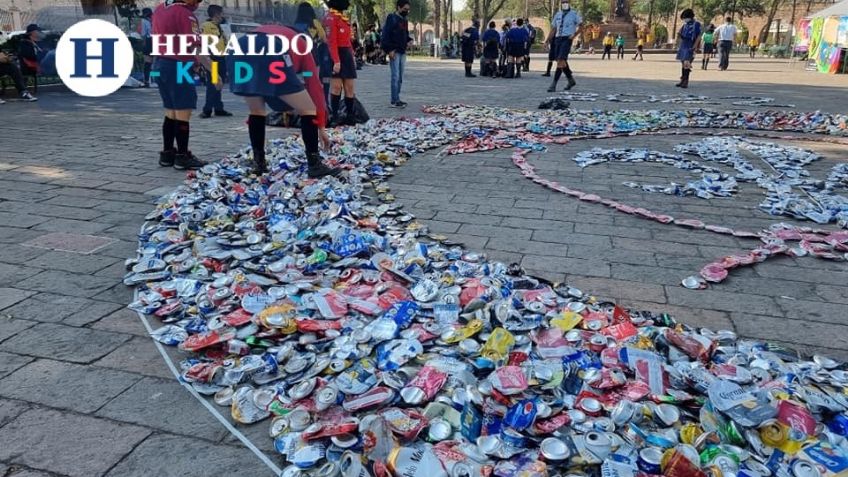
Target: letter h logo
(107,57)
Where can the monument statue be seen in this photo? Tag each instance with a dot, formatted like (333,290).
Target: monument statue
(622,9)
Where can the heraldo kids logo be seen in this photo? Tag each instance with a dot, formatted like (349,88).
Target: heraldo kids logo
(94,58)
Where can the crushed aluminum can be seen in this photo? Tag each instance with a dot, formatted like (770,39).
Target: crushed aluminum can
(415,462)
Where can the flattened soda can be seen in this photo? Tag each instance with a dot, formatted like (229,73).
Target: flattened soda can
(649,460)
(803,468)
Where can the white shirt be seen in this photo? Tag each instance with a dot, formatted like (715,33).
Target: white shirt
(726,32)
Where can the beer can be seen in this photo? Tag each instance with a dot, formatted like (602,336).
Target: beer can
(803,468)
(649,460)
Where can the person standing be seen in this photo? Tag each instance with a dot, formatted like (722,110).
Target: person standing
(307,102)
(491,39)
(608,41)
(147,43)
(619,46)
(502,59)
(640,46)
(212,26)
(753,44)
(689,36)
(708,45)
(516,46)
(395,40)
(726,35)
(565,26)
(470,43)
(179,97)
(551,61)
(339,39)
(531,32)
(307,22)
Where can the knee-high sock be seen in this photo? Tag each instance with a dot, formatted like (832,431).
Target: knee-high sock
(335,101)
(309,133)
(256,131)
(183,131)
(147,67)
(557,75)
(169,131)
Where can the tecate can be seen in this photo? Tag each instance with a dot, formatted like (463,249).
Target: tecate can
(649,460)
(803,468)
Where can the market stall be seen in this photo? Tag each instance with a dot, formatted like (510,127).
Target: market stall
(824,36)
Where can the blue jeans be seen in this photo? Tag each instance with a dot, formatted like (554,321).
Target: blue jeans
(397,66)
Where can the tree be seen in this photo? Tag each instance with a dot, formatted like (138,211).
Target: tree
(437,17)
(593,13)
(772,11)
(708,9)
(127,9)
(419,13)
(490,8)
(366,12)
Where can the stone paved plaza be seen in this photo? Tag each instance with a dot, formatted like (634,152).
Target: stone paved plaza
(84,391)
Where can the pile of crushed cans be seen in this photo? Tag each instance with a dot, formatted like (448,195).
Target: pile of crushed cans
(669,99)
(790,190)
(369,347)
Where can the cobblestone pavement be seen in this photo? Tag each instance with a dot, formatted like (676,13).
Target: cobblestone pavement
(83,391)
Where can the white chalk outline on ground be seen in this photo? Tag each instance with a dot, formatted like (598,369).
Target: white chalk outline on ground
(223,420)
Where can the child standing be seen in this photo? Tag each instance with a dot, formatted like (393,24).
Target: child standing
(640,45)
(619,46)
(608,42)
(690,36)
(708,41)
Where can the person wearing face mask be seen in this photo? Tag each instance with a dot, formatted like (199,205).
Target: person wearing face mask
(179,98)
(690,37)
(339,41)
(564,28)
(394,42)
(212,27)
(470,42)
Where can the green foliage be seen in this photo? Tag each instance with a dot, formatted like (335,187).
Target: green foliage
(419,11)
(662,8)
(660,33)
(594,12)
(708,9)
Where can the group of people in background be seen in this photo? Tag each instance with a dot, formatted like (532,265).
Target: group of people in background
(504,53)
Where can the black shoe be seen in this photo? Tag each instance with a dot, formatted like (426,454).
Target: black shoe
(400,104)
(223,113)
(552,88)
(571,84)
(187,161)
(260,167)
(546,74)
(320,170)
(349,120)
(166,158)
(205,115)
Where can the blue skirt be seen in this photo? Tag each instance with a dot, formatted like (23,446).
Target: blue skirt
(686,53)
(259,82)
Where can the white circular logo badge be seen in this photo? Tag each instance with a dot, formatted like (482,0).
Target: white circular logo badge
(94,58)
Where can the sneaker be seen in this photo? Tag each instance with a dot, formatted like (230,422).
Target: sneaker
(205,115)
(571,84)
(166,158)
(552,88)
(223,113)
(187,161)
(27,96)
(321,170)
(400,104)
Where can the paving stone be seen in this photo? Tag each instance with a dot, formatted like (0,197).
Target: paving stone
(21,220)
(10,296)
(9,410)
(18,254)
(57,281)
(619,291)
(720,300)
(833,293)
(529,246)
(593,268)
(164,404)
(10,327)
(24,472)
(468,218)
(73,262)
(495,231)
(70,242)
(613,255)
(810,275)
(119,249)
(77,446)
(768,287)
(139,355)
(122,320)
(570,238)
(173,456)
(697,317)
(63,385)
(805,332)
(536,224)
(10,275)
(814,311)
(55,341)
(10,362)
(120,294)
(440,227)
(73,201)
(655,245)
(612,230)
(51,308)
(649,274)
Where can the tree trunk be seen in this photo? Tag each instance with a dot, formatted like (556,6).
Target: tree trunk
(792,27)
(651,16)
(775,4)
(446,17)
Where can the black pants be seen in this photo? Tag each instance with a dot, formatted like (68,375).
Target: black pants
(607,52)
(620,52)
(12,70)
(724,47)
